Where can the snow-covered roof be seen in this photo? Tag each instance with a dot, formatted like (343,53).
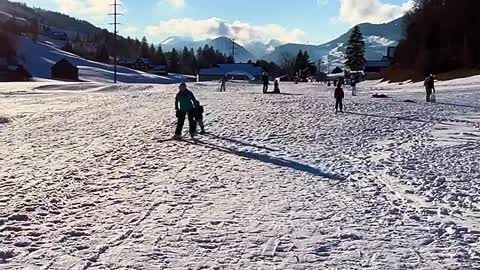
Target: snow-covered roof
(224,69)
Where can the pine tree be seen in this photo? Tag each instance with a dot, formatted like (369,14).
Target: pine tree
(194,63)
(144,48)
(68,47)
(355,53)
(159,57)
(174,63)
(201,60)
(151,52)
(102,55)
(300,62)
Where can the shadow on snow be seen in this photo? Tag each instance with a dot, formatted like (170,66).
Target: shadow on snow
(272,160)
(240,142)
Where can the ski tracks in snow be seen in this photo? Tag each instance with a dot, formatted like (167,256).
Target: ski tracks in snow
(93,181)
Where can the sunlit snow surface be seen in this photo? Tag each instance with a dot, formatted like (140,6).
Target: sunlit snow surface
(91,180)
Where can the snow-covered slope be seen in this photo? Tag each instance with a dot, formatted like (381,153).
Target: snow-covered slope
(39,57)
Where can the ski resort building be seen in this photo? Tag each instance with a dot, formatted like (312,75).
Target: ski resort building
(64,70)
(244,71)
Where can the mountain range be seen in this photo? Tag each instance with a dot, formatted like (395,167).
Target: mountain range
(378,37)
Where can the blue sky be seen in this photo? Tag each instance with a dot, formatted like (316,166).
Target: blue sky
(306,21)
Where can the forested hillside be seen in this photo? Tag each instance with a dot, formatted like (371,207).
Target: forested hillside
(441,36)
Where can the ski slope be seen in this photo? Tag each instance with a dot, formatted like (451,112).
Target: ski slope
(39,57)
(91,180)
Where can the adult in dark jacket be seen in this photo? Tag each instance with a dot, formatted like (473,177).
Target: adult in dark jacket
(430,87)
(266,82)
(185,103)
(339,96)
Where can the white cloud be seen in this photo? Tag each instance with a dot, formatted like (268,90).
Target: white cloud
(354,12)
(244,33)
(175,3)
(95,10)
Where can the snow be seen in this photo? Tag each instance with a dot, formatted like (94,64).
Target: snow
(40,56)
(91,180)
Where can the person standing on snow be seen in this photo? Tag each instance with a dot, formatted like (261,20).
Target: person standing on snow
(353,83)
(265,81)
(223,84)
(430,87)
(185,103)
(199,117)
(339,96)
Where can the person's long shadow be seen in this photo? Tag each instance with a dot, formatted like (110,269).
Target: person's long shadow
(272,160)
(458,105)
(240,142)
(390,117)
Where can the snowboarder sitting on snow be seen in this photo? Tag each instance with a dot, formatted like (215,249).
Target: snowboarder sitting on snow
(266,82)
(430,87)
(339,96)
(276,88)
(185,103)
(199,116)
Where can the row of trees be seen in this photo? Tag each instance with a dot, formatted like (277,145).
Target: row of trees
(440,36)
(186,61)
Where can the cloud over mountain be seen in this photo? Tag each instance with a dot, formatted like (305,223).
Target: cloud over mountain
(213,27)
(354,12)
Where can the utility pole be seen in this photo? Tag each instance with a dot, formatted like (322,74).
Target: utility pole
(233,50)
(115,14)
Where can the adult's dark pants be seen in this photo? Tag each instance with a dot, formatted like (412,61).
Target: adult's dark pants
(265,88)
(339,104)
(192,124)
(429,94)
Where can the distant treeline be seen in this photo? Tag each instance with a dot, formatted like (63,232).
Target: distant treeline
(441,36)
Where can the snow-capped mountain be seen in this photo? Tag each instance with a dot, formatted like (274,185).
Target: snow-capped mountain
(223,44)
(377,38)
(260,49)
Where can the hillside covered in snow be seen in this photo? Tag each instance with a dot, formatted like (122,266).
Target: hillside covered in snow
(38,57)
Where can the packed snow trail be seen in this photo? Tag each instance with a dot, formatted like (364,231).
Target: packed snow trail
(92,180)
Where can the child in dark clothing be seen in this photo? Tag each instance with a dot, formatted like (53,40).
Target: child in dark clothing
(199,117)
(339,96)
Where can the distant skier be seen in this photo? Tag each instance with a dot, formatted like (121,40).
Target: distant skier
(185,103)
(276,86)
(430,87)
(223,84)
(265,81)
(339,96)
(199,116)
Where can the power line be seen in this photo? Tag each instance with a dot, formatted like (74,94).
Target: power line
(115,14)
